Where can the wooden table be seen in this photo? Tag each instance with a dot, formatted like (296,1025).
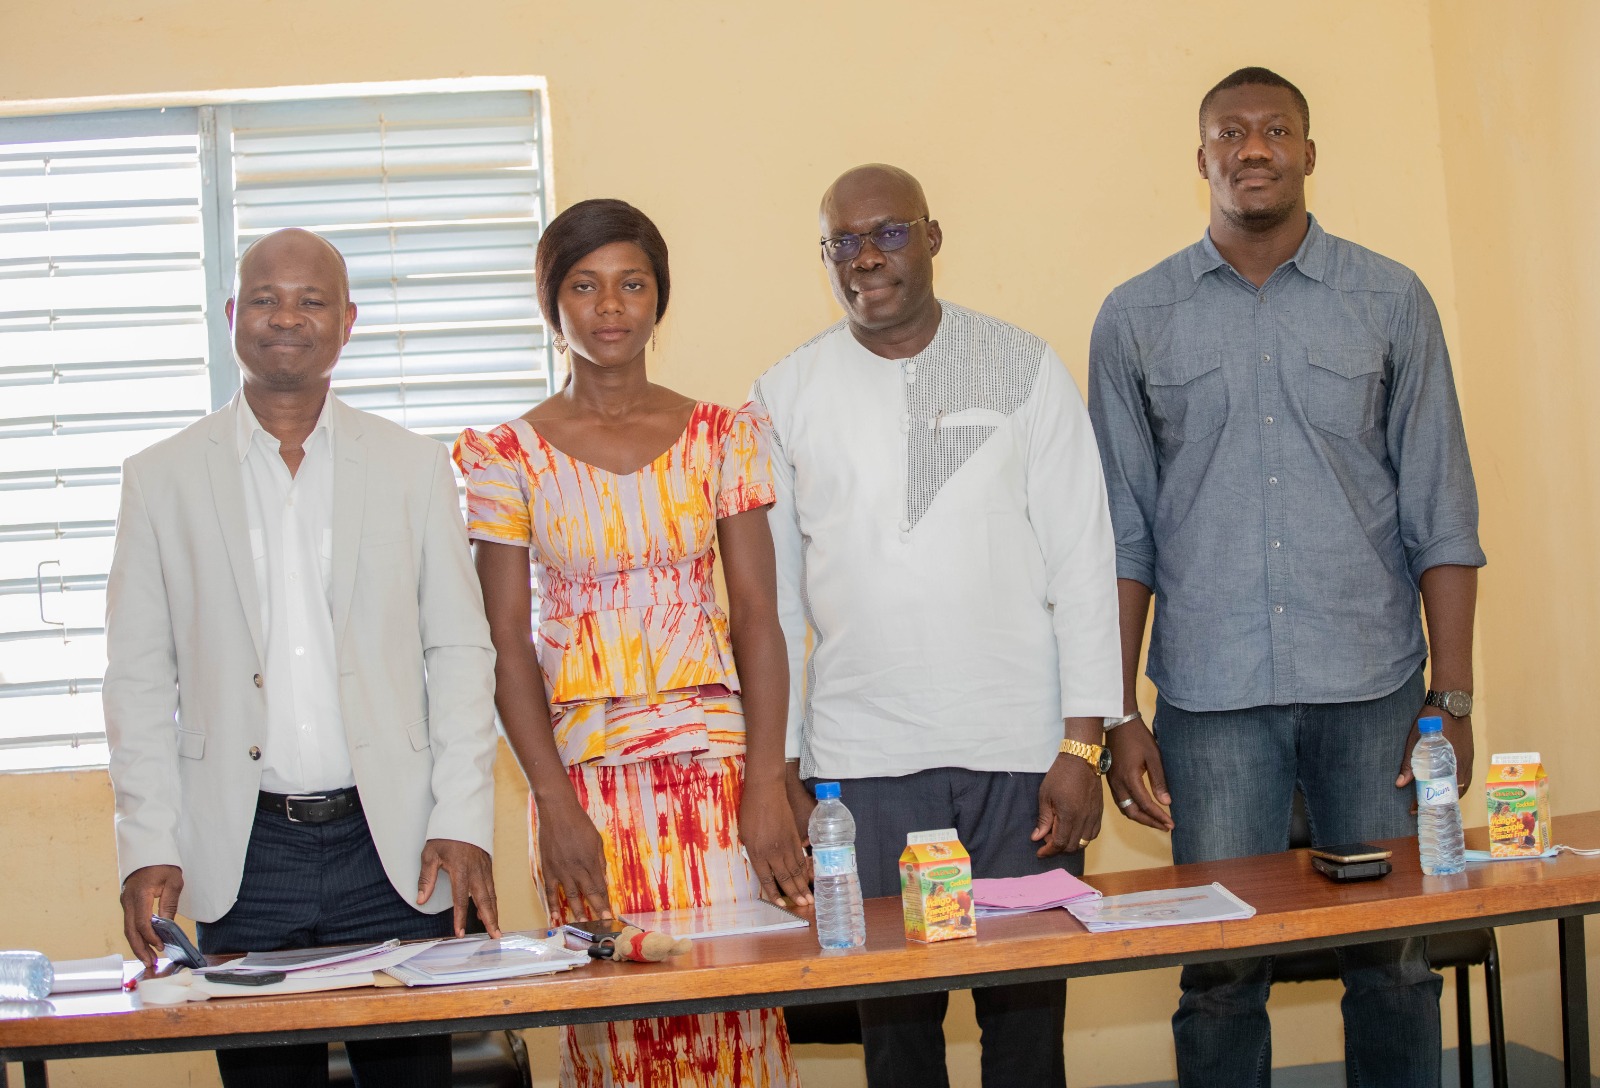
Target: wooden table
(1296,908)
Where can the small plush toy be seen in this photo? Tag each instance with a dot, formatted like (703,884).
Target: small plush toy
(635,945)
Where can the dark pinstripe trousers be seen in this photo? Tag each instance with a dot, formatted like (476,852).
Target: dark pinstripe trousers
(319,884)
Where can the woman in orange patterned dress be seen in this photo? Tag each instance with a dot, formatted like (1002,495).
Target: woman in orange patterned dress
(649,723)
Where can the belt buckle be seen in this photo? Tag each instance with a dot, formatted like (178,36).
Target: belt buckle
(288,804)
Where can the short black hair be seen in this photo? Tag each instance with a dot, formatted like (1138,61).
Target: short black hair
(1255,77)
(584,228)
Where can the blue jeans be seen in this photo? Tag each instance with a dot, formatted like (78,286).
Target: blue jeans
(1232,775)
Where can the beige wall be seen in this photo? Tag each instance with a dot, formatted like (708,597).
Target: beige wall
(1517,85)
(1056,143)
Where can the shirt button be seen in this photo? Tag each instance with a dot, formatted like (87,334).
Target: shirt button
(905,417)
(255,753)
(911,378)
(1262,298)
(1277,543)
(1266,358)
(299,651)
(258,680)
(289,501)
(905,428)
(911,368)
(905,526)
(1269,419)
(1272,479)
(1277,608)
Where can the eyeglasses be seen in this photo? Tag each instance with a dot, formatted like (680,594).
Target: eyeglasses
(887,239)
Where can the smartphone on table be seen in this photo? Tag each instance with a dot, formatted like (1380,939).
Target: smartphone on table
(1351,861)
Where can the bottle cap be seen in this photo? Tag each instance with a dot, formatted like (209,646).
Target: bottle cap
(1431,725)
(827,791)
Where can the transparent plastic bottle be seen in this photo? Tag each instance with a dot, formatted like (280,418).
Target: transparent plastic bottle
(25,976)
(1433,764)
(840,921)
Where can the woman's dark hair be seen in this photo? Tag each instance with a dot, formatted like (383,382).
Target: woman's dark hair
(584,228)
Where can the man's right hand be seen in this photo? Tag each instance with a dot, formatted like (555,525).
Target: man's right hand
(1135,757)
(572,861)
(153,889)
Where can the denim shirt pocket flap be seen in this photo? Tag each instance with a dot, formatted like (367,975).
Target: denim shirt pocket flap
(1345,390)
(1188,395)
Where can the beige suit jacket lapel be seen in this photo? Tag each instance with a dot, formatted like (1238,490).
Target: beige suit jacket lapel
(227,492)
(349,507)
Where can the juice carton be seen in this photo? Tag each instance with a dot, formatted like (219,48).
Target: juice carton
(936,887)
(1519,805)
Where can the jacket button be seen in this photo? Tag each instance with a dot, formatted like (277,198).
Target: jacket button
(258,680)
(255,753)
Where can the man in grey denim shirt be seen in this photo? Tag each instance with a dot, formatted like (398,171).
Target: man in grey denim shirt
(1287,469)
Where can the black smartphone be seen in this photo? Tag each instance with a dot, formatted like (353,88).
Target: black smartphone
(1345,872)
(246,977)
(595,929)
(1351,852)
(176,945)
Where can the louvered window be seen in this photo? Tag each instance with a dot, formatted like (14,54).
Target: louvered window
(118,237)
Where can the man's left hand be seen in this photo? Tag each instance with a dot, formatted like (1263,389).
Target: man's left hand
(1070,801)
(471,877)
(1458,731)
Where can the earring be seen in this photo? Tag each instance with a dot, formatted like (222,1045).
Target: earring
(652,341)
(560,344)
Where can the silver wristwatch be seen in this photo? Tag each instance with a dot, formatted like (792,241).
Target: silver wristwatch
(1457,704)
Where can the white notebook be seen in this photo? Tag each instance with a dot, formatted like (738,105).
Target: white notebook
(722,920)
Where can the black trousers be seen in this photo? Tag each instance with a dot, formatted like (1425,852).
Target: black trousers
(1022,1025)
(319,884)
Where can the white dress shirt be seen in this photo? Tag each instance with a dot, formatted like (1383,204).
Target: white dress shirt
(942,531)
(291,541)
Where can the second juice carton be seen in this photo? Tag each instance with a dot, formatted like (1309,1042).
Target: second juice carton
(936,887)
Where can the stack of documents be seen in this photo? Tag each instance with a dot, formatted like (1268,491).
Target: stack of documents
(309,970)
(996,897)
(1163,907)
(482,959)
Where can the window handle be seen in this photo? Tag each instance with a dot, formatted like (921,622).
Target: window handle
(61,588)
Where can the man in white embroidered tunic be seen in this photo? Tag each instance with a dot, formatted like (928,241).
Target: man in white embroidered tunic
(942,532)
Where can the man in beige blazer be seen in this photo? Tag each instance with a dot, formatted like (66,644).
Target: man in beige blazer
(299,696)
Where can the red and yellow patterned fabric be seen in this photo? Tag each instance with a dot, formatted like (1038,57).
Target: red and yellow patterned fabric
(632,643)
(639,671)
(671,833)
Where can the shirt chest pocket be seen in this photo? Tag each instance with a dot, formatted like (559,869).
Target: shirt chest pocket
(1346,393)
(1188,396)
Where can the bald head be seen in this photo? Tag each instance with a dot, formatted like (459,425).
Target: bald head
(291,314)
(883,273)
(877,180)
(305,244)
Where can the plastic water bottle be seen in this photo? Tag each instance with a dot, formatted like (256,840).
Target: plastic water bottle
(840,921)
(1433,764)
(25,976)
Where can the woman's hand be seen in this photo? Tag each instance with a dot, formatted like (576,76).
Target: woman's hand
(572,863)
(776,853)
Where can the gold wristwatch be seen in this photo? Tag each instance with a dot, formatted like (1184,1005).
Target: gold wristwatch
(1095,755)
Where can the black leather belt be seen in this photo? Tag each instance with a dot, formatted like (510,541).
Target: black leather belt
(311,808)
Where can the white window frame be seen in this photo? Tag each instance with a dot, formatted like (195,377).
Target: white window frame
(51,752)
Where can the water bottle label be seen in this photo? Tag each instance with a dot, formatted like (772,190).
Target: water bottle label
(1437,791)
(834,860)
